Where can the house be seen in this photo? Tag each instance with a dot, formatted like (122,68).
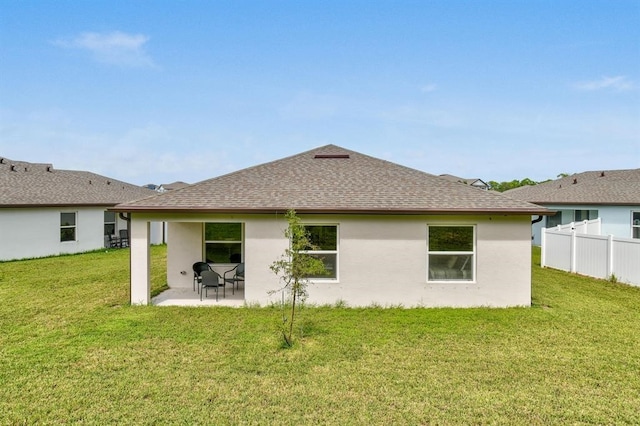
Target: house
(388,234)
(611,195)
(171,186)
(475,182)
(45,211)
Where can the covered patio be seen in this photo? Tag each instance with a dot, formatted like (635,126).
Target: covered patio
(181,296)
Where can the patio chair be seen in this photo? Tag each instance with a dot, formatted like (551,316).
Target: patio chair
(124,238)
(198,269)
(111,241)
(211,279)
(236,275)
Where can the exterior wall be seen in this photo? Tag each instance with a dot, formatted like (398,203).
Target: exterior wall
(382,259)
(184,248)
(140,268)
(616,220)
(26,233)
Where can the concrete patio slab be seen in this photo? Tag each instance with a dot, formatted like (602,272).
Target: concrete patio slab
(188,297)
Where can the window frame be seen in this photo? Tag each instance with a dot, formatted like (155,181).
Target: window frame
(335,252)
(473,253)
(114,223)
(635,227)
(205,241)
(74,227)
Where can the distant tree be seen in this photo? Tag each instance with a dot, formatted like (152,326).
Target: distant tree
(505,186)
(294,268)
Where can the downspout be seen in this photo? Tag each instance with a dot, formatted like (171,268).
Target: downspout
(534,221)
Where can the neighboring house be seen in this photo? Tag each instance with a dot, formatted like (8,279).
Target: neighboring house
(171,186)
(45,211)
(475,182)
(388,234)
(611,195)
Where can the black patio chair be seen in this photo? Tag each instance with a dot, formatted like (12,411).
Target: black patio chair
(124,238)
(111,241)
(211,279)
(198,269)
(236,276)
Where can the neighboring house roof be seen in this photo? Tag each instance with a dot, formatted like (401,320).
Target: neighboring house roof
(331,179)
(608,187)
(24,184)
(172,186)
(475,182)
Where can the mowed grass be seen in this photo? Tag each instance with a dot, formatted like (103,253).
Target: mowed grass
(73,351)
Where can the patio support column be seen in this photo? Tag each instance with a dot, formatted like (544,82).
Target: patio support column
(140,262)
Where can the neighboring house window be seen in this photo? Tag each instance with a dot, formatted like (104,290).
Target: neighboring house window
(109,223)
(635,224)
(580,215)
(556,219)
(223,242)
(67,226)
(451,253)
(563,217)
(324,239)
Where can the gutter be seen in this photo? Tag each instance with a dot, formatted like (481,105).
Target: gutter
(302,210)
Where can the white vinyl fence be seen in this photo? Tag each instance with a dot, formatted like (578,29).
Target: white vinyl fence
(577,248)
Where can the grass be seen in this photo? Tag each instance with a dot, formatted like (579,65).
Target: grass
(73,351)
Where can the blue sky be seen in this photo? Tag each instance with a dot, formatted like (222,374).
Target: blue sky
(160,91)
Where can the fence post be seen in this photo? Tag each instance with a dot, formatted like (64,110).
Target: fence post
(543,242)
(572,251)
(610,271)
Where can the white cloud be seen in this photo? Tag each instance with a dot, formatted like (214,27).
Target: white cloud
(428,88)
(115,48)
(615,84)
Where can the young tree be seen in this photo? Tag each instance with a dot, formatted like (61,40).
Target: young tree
(294,268)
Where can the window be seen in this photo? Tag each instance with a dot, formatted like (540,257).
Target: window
(451,253)
(564,217)
(635,224)
(556,219)
(580,215)
(67,227)
(223,242)
(324,239)
(109,223)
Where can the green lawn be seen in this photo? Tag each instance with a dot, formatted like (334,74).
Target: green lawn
(73,351)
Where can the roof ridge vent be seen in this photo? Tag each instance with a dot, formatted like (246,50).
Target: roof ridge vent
(331,156)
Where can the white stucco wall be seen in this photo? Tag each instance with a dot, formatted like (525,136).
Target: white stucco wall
(26,233)
(183,250)
(35,232)
(616,220)
(382,259)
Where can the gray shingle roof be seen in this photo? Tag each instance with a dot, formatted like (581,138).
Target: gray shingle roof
(331,179)
(608,187)
(24,184)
